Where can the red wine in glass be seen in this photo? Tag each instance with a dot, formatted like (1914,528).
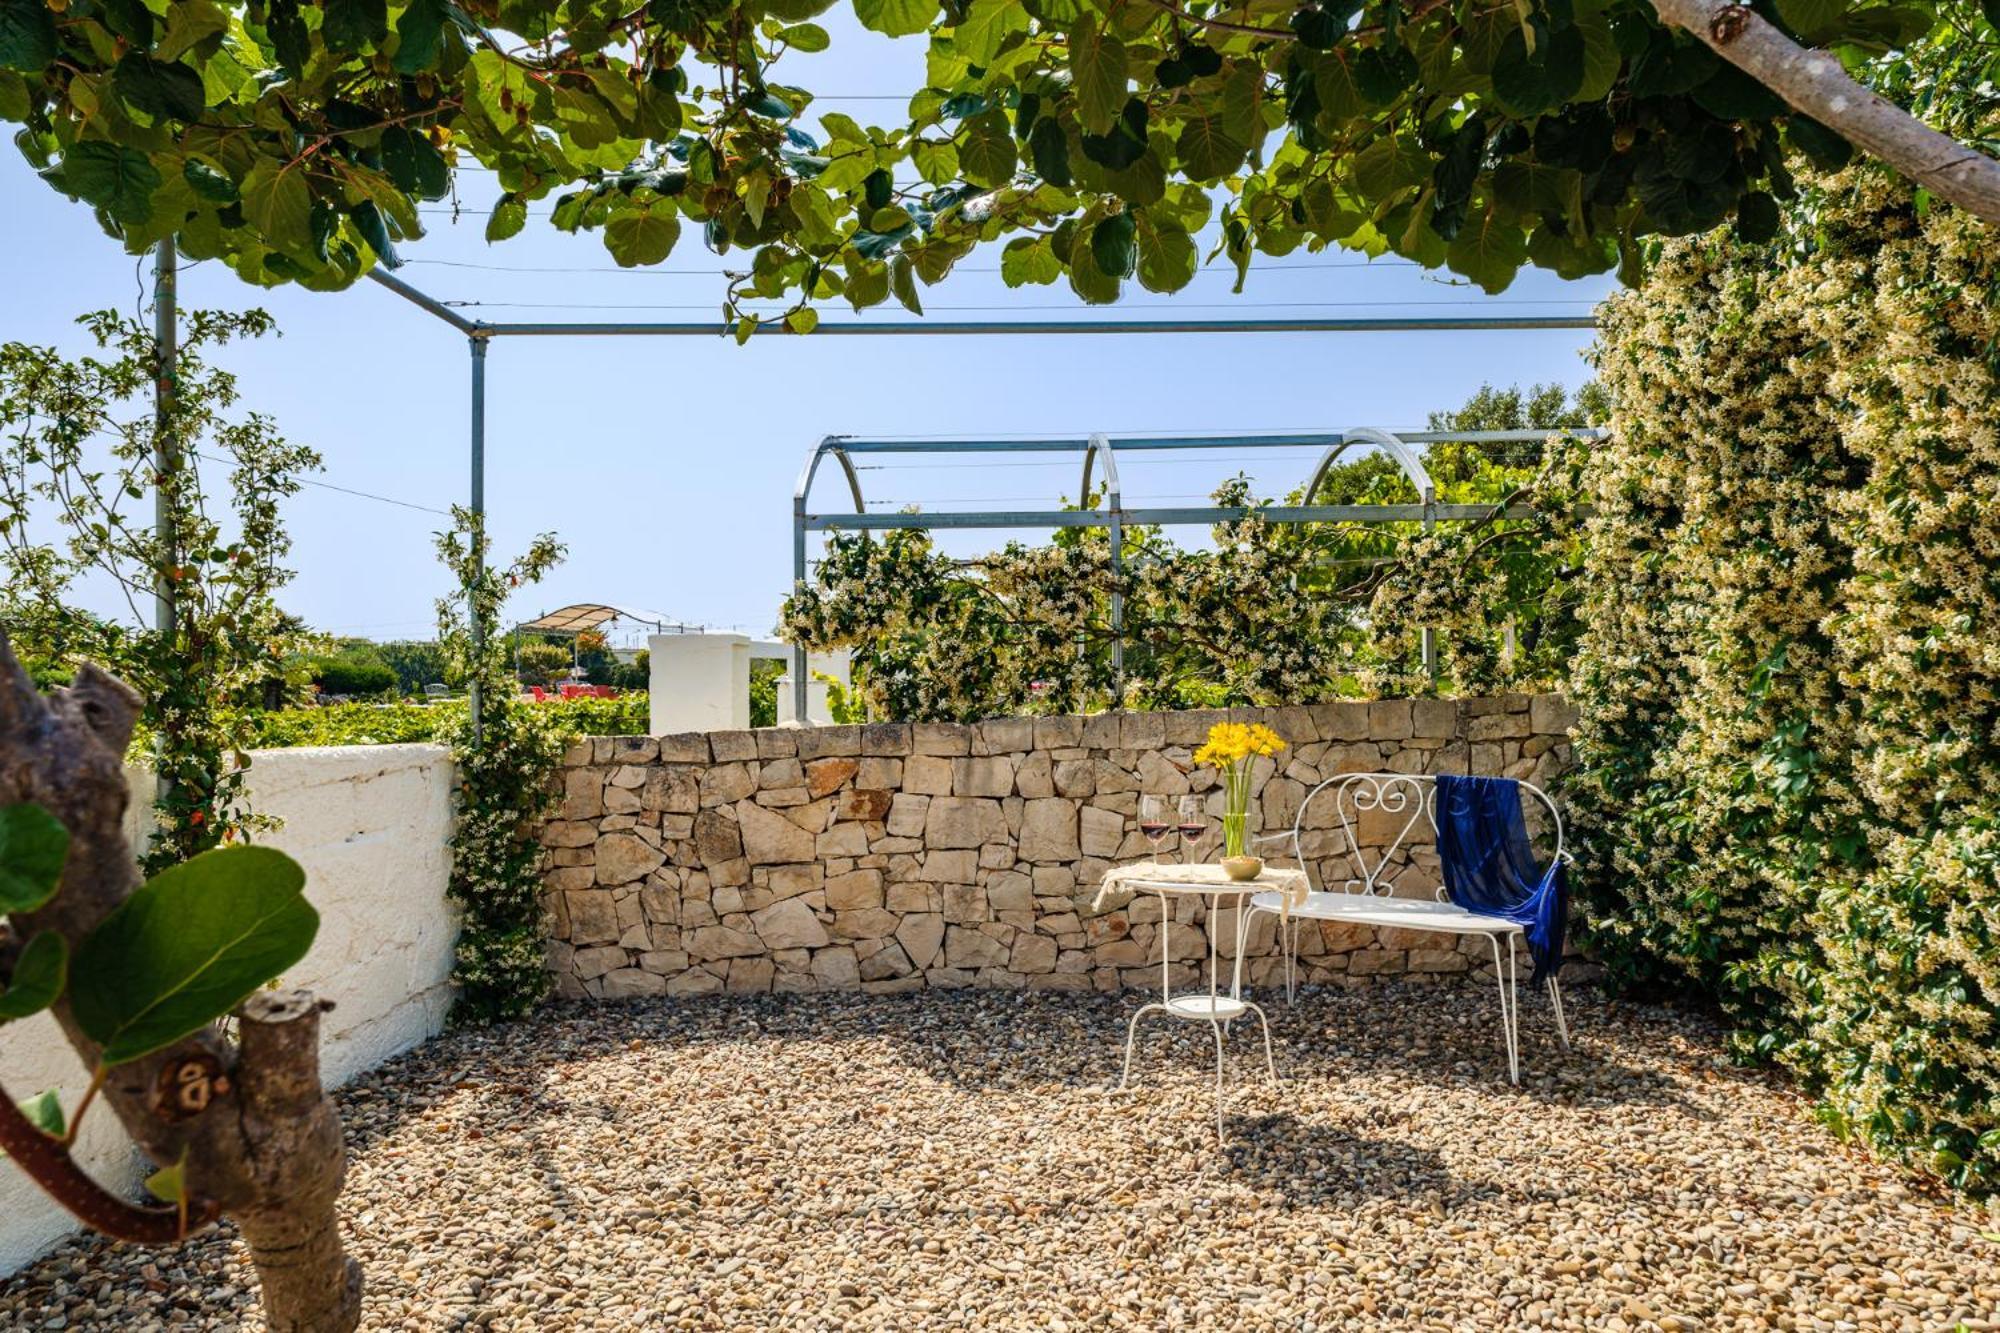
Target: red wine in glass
(1194,822)
(1153,820)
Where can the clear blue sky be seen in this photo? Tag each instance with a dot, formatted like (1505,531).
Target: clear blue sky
(667,465)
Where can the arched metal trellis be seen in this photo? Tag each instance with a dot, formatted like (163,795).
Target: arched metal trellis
(1100,458)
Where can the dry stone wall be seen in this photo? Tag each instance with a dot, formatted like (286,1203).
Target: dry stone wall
(896,857)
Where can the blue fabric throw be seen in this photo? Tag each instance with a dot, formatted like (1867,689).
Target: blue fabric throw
(1490,866)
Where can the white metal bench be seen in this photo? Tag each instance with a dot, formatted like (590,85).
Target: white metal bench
(1409,801)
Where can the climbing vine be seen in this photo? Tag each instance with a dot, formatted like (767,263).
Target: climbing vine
(506,760)
(79,486)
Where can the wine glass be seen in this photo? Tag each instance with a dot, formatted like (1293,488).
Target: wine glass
(1153,821)
(1193,827)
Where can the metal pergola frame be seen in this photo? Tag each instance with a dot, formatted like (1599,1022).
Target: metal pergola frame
(479,334)
(1100,456)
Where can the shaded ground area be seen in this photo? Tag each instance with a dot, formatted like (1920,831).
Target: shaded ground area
(954,1161)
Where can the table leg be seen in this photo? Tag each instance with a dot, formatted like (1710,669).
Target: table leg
(1131,1035)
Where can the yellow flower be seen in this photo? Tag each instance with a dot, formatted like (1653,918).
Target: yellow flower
(1233,742)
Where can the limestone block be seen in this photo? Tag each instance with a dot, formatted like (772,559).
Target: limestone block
(821,742)
(627,983)
(825,776)
(749,976)
(792,881)
(868,923)
(844,840)
(673,789)
(726,783)
(1103,833)
(865,805)
(1055,733)
(965,904)
(887,961)
(1341,721)
(1010,891)
(569,833)
(1112,776)
(664,962)
(921,934)
(836,968)
(947,738)
(621,801)
(1074,778)
(1158,777)
(1497,726)
(733,871)
(927,775)
(989,775)
(711,942)
(716,837)
(732,745)
(968,948)
(1438,961)
(777,773)
(1100,732)
(1049,830)
(882,773)
(959,821)
(595,962)
(1551,714)
(694,981)
(583,793)
(624,857)
(886,739)
(1035,775)
(1004,735)
(857,889)
(690,747)
(997,856)
(789,924)
(1032,953)
(770,838)
(1376,963)
(777,743)
(949,867)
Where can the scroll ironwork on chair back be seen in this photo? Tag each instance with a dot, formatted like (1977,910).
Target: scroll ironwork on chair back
(1408,800)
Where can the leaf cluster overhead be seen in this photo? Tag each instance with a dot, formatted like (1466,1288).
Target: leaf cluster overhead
(1097,141)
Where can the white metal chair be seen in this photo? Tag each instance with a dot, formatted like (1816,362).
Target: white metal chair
(1366,900)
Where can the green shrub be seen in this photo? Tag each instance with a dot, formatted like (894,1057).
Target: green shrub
(352,675)
(1789,789)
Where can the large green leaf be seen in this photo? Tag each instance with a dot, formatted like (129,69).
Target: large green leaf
(1490,250)
(27,35)
(38,977)
(117,179)
(1029,260)
(986,27)
(986,153)
(419,35)
(639,236)
(189,946)
(277,202)
(1112,246)
(896,18)
(33,846)
(1167,258)
(163,90)
(1098,69)
(1207,153)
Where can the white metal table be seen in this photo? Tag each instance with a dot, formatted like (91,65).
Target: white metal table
(1212,1006)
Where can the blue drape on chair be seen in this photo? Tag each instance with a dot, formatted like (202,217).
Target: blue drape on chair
(1490,867)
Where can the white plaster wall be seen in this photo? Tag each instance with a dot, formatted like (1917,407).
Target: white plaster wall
(369,824)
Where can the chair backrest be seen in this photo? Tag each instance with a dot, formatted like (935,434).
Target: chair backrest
(1398,803)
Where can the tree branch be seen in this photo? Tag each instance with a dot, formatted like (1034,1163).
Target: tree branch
(1815,83)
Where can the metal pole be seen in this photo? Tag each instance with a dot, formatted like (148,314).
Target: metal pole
(478,348)
(800,694)
(166,458)
(1430,646)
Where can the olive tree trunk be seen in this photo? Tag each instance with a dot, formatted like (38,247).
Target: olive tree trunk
(260,1138)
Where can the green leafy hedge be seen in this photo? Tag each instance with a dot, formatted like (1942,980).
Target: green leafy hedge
(391,724)
(1789,675)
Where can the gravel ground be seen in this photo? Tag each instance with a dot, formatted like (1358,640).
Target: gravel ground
(954,1161)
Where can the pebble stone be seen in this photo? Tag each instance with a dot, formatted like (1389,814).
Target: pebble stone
(957,1161)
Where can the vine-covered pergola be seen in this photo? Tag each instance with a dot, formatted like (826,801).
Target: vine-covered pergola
(1100,453)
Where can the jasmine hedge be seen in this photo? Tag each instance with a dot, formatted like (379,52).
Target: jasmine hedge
(1789,663)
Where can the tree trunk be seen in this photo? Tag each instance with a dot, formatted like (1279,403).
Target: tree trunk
(260,1138)
(1815,82)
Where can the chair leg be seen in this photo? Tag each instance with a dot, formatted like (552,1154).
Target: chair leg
(1500,975)
(1290,944)
(1562,1018)
(1217,1029)
(1269,1062)
(1513,1015)
(1131,1035)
